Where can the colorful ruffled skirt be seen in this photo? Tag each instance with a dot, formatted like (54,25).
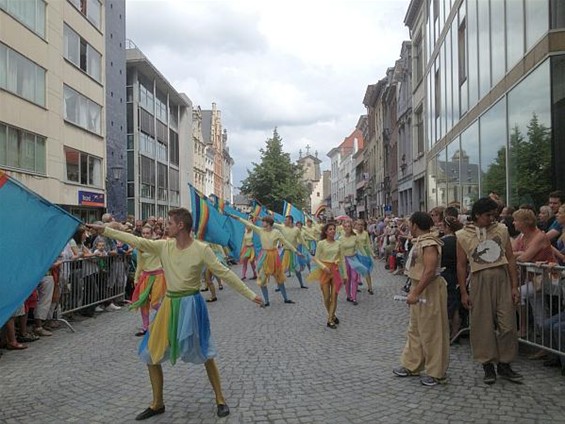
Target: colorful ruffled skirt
(334,277)
(289,260)
(358,264)
(150,290)
(311,244)
(306,258)
(269,264)
(179,330)
(247,253)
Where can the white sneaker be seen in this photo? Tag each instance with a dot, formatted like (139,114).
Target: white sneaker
(99,309)
(111,308)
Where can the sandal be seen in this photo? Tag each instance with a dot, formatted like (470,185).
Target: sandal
(17,346)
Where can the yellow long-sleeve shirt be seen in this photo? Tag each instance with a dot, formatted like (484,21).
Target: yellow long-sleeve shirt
(349,245)
(248,238)
(364,243)
(292,234)
(331,252)
(310,233)
(183,267)
(146,262)
(269,239)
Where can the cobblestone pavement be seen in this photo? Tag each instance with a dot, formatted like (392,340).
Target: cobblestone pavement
(278,365)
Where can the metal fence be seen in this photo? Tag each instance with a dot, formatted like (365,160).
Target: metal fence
(87,283)
(542,307)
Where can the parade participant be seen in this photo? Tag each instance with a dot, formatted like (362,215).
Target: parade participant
(310,234)
(269,264)
(289,258)
(149,280)
(427,339)
(365,251)
(302,247)
(354,267)
(485,245)
(449,272)
(330,271)
(248,254)
(209,276)
(181,327)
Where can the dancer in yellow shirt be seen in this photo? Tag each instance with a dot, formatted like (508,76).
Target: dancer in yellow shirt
(289,258)
(248,254)
(181,327)
(269,264)
(331,271)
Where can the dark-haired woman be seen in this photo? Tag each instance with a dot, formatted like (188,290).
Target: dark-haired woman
(427,343)
(330,271)
(485,245)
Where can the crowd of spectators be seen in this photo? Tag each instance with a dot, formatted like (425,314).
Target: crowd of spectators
(92,275)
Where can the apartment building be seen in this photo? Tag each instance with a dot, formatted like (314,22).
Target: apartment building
(52,100)
(159,140)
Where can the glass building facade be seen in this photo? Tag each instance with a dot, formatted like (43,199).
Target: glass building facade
(495,89)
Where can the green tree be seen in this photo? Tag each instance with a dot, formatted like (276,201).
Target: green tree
(529,164)
(276,178)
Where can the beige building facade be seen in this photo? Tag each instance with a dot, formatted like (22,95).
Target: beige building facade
(52,78)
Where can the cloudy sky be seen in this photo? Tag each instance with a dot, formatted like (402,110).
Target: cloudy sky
(302,66)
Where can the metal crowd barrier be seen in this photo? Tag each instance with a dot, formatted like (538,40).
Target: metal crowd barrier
(541,312)
(87,283)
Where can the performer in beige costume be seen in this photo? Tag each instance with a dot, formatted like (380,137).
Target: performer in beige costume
(427,339)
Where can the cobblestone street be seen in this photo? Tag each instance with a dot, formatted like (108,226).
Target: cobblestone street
(278,365)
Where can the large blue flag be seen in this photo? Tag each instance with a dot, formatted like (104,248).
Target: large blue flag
(209,224)
(33,232)
(290,209)
(236,230)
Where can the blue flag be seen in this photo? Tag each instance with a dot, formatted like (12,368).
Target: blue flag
(236,230)
(33,233)
(297,214)
(209,224)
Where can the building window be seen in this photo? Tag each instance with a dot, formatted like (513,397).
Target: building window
(146,122)
(418,59)
(174,147)
(21,76)
(147,145)
(147,177)
(31,13)
(162,182)
(90,9)
(162,153)
(146,98)
(81,110)
(437,94)
(82,54)
(174,185)
(22,150)
(462,51)
(83,168)
(161,109)
(419,131)
(147,210)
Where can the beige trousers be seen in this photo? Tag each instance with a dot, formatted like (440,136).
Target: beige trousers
(493,317)
(427,339)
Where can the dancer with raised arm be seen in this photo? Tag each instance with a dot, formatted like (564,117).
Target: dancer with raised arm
(269,264)
(289,258)
(365,251)
(248,254)
(354,266)
(181,327)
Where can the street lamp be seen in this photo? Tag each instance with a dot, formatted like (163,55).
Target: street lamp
(117,172)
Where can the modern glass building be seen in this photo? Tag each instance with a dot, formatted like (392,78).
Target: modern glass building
(494,77)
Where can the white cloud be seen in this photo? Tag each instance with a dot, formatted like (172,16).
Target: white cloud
(301,66)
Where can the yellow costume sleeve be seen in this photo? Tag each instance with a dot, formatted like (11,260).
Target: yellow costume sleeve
(151,246)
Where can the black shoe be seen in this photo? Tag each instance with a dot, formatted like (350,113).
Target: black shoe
(223,410)
(289,301)
(148,413)
(331,325)
(355,303)
(266,304)
(140,333)
(370,291)
(277,289)
(303,287)
(490,374)
(212,299)
(221,287)
(253,278)
(204,289)
(336,320)
(349,299)
(506,372)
